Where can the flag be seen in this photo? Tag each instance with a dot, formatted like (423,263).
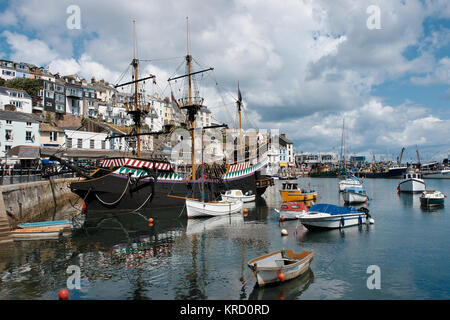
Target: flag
(239,95)
(175,100)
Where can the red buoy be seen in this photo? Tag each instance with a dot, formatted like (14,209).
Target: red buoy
(281,276)
(84,206)
(63,294)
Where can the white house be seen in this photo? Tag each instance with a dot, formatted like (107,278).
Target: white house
(85,140)
(17,98)
(17,129)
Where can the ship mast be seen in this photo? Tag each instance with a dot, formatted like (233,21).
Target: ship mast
(192,104)
(137,111)
(135,66)
(239,105)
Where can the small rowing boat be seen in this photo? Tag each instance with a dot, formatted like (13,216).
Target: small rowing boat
(280,265)
(47,224)
(37,233)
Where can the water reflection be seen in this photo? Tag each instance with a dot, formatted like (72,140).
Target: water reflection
(289,290)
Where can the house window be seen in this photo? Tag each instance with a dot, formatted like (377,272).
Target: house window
(53,136)
(79,143)
(103,144)
(28,136)
(28,124)
(8,135)
(92,144)
(69,142)
(8,122)
(7,148)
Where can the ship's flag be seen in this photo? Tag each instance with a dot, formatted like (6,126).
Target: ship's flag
(239,95)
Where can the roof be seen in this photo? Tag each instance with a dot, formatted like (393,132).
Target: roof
(5,90)
(285,140)
(18,116)
(47,127)
(25,152)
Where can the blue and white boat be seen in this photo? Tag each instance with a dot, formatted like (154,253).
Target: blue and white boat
(350,181)
(355,195)
(47,224)
(330,216)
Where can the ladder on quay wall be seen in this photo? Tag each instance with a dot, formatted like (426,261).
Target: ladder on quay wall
(5,234)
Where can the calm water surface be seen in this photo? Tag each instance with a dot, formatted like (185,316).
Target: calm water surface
(176,258)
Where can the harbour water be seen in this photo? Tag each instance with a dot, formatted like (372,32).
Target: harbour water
(176,258)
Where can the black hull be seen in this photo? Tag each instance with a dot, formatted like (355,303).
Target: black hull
(111,192)
(391,174)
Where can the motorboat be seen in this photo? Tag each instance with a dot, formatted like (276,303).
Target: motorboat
(280,266)
(290,191)
(329,216)
(431,198)
(412,182)
(292,210)
(355,195)
(237,194)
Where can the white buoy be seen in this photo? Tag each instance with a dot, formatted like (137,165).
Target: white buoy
(284,232)
(371,221)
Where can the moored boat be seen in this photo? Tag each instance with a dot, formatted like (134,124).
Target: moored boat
(237,194)
(197,208)
(355,195)
(291,192)
(280,265)
(431,198)
(292,210)
(37,233)
(329,216)
(412,182)
(47,224)
(351,181)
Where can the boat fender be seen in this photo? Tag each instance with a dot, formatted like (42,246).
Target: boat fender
(284,232)
(371,221)
(342,223)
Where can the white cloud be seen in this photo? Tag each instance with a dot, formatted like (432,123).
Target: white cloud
(26,50)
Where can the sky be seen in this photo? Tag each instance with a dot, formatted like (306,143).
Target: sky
(304,67)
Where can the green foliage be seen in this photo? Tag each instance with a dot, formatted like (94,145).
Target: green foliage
(84,121)
(31,86)
(2,82)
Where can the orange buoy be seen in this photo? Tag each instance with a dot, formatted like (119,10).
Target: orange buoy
(281,276)
(150,220)
(150,224)
(63,294)
(84,206)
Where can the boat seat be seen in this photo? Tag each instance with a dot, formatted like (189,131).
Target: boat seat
(292,255)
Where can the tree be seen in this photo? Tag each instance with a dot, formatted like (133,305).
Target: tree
(31,86)
(2,82)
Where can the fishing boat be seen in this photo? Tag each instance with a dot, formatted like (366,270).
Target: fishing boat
(133,183)
(280,265)
(292,210)
(351,181)
(431,198)
(291,192)
(411,182)
(47,224)
(440,174)
(355,195)
(37,233)
(238,195)
(329,216)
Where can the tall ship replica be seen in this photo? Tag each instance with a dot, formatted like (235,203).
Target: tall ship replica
(134,183)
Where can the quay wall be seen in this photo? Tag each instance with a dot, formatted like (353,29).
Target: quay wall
(32,201)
